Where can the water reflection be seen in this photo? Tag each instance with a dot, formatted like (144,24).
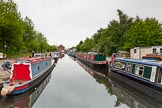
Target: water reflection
(74,59)
(72,87)
(27,99)
(101,76)
(97,73)
(124,93)
(61,55)
(132,97)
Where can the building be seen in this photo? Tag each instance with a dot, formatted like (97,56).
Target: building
(123,54)
(139,52)
(61,48)
(2,55)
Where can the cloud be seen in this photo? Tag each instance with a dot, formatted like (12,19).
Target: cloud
(69,21)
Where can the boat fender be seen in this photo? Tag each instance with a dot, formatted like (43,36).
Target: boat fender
(7,90)
(4,91)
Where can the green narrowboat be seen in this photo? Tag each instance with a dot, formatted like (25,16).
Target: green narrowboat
(92,59)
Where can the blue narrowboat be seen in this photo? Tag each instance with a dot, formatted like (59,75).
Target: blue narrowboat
(26,73)
(143,75)
(27,99)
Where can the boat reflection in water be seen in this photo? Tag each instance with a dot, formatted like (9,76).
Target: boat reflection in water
(61,55)
(94,72)
(125,94)
(73,58)
(131,97)
(27,99)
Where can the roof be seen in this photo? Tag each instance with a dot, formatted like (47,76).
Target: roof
(141,61)
(159,46)
(123,52)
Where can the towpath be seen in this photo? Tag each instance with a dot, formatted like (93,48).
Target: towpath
(4,75)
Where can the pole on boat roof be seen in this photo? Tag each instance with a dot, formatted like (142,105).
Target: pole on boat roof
(8,71)
(33,53)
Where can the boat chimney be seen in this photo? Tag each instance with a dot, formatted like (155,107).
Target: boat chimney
(33,53)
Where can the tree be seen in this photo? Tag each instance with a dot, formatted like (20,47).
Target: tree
(79,45)
(10,26)
(29,32)
(124,34)
(146,32)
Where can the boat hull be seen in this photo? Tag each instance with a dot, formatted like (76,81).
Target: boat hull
(92,64)
(137,84)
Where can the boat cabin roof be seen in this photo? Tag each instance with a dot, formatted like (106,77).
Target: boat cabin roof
(30,60)
(141,61)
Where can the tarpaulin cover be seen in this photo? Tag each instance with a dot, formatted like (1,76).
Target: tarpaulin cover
(21,72)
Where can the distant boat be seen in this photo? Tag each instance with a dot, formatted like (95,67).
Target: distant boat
(55,55)
(72,54)
(92,59)
(144,75)
(27,73)
(157,57)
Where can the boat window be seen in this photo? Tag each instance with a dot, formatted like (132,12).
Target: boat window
(139,70)
(119,65)
(160,50)
(128,67)
(38,68)
(159,77)
(135,50)
(154,50)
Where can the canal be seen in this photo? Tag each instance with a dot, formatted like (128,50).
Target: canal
(72,84)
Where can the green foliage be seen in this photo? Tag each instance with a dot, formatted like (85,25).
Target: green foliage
(17,33)
(124,34)
(10,27)
(146,32)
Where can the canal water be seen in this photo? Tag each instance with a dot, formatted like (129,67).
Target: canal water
(72,84)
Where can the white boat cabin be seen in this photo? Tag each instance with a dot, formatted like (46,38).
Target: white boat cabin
(139,52)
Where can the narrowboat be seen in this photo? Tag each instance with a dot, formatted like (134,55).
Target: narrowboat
(26,73)
(143,75)
(55,55)
(72,54)
(27,99)
(153,57)
(92,59)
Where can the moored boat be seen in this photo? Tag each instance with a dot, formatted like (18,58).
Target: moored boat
(27,99)
(92,59)
(144,75)
(157,57)
(72,54)
(27,73)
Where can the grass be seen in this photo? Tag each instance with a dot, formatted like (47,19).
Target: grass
(18,55)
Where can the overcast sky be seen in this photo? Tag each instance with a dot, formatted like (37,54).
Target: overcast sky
(67,22)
